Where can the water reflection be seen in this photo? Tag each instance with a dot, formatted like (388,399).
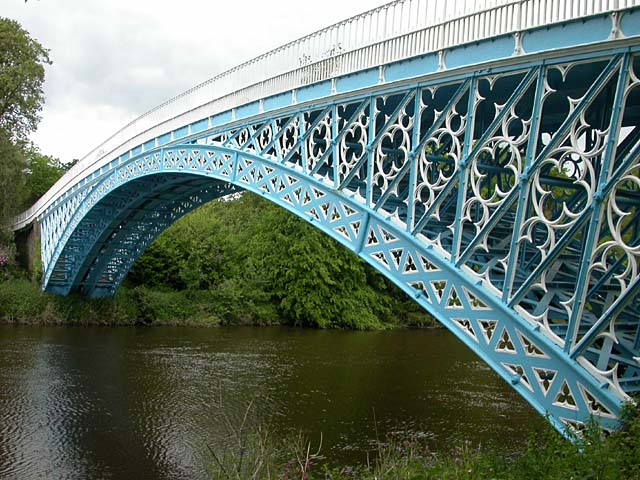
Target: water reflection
(144,403)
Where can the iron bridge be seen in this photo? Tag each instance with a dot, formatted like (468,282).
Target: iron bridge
(483,155)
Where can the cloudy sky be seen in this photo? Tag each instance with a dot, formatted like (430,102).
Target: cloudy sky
(115,59)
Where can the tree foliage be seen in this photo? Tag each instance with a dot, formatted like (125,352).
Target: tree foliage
(42,171)
(254,262)
(22,61)
(12,165)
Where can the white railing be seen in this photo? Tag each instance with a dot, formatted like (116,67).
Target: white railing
(397,30)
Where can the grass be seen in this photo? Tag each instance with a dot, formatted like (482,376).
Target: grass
(22,302)
(546,456)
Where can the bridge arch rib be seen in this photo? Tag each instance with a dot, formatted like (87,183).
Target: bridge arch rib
(510,346)
(506,203)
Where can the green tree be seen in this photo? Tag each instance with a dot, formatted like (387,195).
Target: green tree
(42,172)
(69,165)
(249,261)
(12,165)
(22,61)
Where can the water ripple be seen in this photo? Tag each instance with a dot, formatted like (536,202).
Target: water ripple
(147,403)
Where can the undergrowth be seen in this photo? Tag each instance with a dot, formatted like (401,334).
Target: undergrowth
(546,456)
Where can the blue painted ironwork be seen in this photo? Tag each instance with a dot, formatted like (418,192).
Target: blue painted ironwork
(504,199)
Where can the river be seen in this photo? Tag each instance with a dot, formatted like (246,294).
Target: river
(90,403)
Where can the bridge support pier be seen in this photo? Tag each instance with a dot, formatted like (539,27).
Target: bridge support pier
(28,249)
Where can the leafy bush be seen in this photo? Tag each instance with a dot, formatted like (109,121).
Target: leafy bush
(259,264)
(240,262)
(21,301)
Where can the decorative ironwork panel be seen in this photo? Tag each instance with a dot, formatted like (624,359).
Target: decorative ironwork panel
(505,202)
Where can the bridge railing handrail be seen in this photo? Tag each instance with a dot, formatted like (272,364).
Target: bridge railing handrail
(390,32)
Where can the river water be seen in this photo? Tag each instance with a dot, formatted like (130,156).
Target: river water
(138,403)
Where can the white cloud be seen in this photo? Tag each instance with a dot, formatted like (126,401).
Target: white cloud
(114,60)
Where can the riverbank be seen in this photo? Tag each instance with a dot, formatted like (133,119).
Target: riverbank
(546,456)
(238,262)
(23,303)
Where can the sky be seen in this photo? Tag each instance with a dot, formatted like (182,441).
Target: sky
(114,59)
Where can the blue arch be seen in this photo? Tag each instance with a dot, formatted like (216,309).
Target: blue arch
(515,349)
(502,196)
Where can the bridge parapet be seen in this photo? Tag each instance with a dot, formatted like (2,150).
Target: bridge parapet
(374,39)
